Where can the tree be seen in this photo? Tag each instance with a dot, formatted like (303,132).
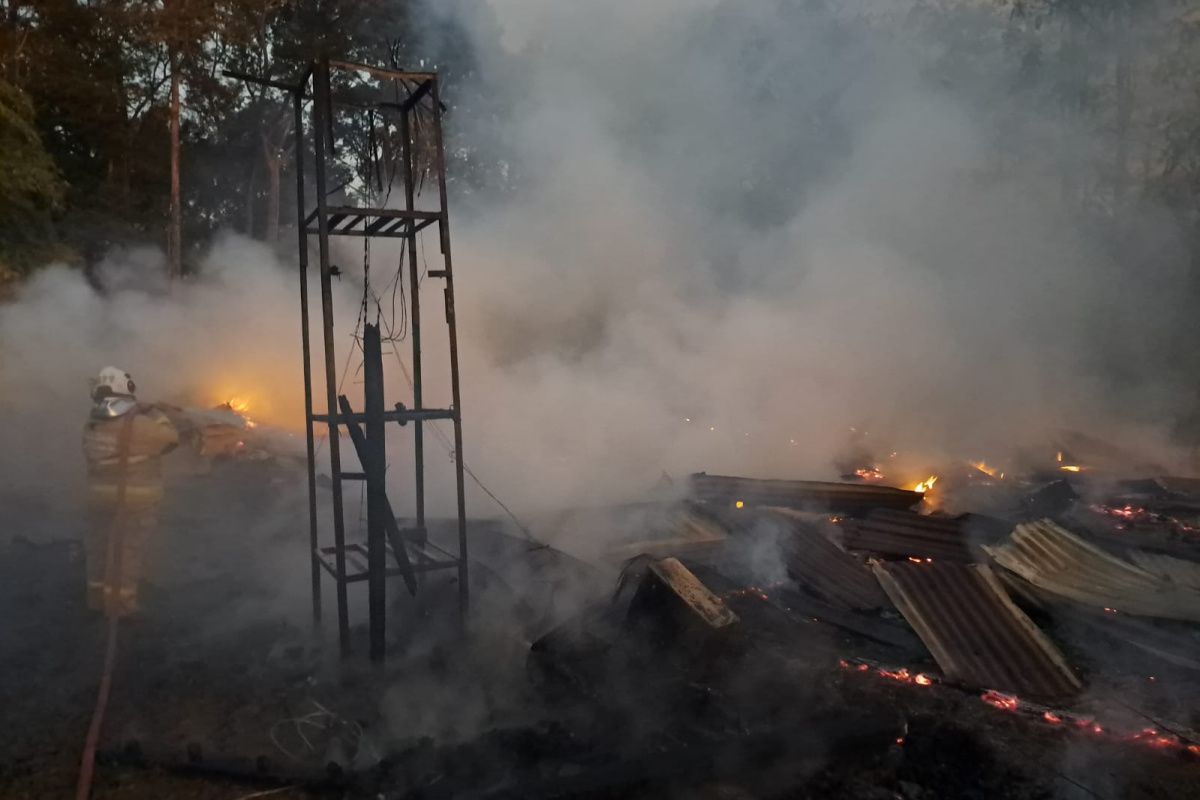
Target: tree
(196,35)
(31,188)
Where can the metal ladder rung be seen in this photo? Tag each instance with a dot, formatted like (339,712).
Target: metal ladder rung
(377,224)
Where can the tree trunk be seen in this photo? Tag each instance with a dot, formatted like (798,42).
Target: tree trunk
(175,214)
(273,168)
(274,163)
(251,198)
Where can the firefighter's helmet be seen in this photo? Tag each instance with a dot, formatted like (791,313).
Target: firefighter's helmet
(113,381)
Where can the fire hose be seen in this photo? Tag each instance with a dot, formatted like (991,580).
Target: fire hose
(112,599)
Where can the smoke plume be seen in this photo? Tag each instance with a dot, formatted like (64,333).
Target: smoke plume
(729,232)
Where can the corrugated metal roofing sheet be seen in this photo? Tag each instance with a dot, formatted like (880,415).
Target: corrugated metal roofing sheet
(976,633)
(905,534)
(825,569)
(1163,640)
(1176,570)
(724,491)
(1056,560)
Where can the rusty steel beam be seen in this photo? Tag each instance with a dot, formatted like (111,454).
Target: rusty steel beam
(313,541)
(455,389)
(320,122)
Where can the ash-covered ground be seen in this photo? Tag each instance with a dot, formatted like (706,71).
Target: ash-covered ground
(223,688)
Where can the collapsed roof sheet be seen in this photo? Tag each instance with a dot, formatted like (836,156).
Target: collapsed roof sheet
(974,631)
(1162,639)
(724,491)
(824,569)
(905,534)
(1056,560)
(1178,571)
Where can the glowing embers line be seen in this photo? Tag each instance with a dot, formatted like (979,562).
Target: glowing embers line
(1058,718)
(1130,513)
(901,675)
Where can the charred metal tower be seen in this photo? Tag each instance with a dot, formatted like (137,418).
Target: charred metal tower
(347,563)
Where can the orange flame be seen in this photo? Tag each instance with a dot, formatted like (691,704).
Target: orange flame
(925,485)
(982,466)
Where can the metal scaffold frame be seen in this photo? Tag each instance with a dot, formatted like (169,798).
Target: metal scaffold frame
(386,540)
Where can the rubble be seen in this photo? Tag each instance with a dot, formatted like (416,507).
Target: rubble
(774,648)
(1057,561)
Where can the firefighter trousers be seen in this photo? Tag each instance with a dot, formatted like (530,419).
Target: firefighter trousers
(117,536)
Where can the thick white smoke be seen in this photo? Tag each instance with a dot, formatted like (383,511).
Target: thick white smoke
(734,231)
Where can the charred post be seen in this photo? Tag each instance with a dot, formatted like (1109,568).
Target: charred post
(378,509)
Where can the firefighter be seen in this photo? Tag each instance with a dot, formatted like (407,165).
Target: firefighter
(123,442)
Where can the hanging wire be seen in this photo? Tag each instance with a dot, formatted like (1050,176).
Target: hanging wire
(448,444)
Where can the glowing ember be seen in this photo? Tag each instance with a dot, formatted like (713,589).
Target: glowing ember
(1059,457)
(1153,738)
(739,504)
(914,560)
(1127,512)
(1005,702)
(869,473)
(1110,610)
(923,680)
(746,591)
(899,675)
(900,740)
(925,485)
(1071,468)
(1194,749)
(1052,718)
